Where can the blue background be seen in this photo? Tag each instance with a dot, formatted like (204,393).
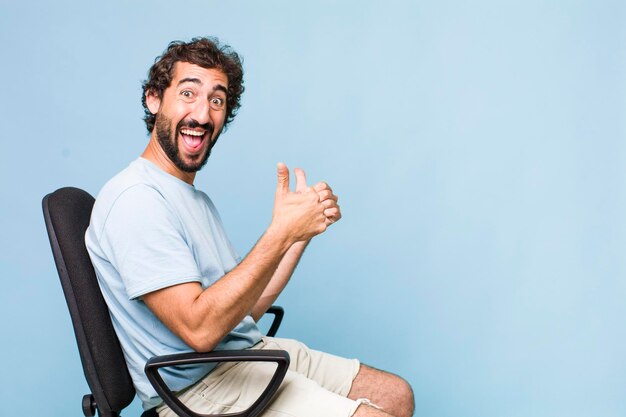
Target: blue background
(477,148)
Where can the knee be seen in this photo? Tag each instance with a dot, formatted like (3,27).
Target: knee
(406,397)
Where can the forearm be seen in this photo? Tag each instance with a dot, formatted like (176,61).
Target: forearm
(279,279)
(203,317)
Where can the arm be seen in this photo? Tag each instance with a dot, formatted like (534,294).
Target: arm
(292,256)
(279,279)
(203,317)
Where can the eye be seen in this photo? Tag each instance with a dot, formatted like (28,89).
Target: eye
(217,103)
(187,94)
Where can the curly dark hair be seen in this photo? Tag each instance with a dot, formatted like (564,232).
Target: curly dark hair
(204,52)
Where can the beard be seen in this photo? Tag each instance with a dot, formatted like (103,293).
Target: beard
(169,142)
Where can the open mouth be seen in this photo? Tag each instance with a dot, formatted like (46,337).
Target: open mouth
(193,138)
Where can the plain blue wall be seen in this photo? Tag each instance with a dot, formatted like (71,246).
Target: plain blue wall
(477,148)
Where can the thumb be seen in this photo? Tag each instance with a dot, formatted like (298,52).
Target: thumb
(300,180)
(283,178)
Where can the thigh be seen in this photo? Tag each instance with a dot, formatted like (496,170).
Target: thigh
(331,372)
(233,388)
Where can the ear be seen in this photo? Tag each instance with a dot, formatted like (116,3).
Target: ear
(153,102)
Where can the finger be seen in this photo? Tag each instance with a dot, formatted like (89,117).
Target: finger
(300,180)
(332,213)
(328,203)
(283,178)
(327,195)
(320,186)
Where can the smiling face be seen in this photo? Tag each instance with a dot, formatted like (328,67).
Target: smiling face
(189,117)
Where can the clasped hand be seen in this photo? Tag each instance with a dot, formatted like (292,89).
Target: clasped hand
(306,212)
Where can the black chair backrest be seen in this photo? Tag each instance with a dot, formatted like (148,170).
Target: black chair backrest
(67,212)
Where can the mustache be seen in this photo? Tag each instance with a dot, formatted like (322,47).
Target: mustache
(193,124)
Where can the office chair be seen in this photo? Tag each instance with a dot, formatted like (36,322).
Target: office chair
(67,212)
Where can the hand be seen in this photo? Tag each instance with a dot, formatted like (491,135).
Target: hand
(329,200)
(299,214)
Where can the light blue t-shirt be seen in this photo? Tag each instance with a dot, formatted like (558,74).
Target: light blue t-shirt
(149,230)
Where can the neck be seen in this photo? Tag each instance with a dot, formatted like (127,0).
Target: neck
(155,154)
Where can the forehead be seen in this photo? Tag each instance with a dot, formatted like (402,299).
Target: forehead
(208,77)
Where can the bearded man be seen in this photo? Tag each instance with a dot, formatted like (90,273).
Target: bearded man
(173,282)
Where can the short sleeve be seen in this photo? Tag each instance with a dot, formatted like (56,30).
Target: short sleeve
(145,241)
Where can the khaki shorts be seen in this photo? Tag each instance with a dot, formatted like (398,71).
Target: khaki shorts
(315,385)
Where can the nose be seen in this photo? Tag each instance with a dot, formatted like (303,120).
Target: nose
(201,112)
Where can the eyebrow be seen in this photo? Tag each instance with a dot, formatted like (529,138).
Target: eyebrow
(218,87)
(190,80)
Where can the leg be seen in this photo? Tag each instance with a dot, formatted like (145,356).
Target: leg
(390,392)
(338,375)
(235,388)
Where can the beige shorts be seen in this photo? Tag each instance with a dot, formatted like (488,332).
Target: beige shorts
(316,384)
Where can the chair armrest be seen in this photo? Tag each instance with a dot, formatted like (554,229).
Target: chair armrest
(280,357)
(278,313)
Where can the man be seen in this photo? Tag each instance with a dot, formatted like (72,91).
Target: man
(171,279)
